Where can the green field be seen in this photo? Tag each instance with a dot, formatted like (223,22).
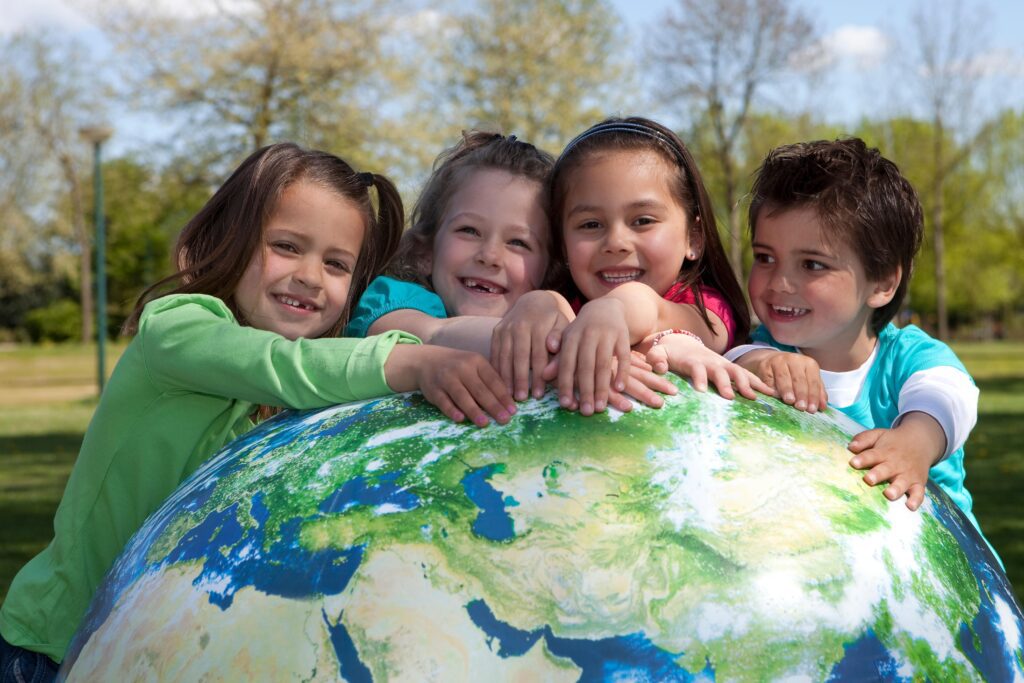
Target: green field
(49,395)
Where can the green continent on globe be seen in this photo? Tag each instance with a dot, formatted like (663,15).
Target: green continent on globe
(710,539)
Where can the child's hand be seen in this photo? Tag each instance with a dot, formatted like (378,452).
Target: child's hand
(901,456)
(460,383)
(795,378)
(643,384)
(688,357)
(590,347)
(521,342)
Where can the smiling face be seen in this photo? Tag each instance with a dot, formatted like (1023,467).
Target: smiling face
(621,223)
(812,293)
(298,281)
(492,244)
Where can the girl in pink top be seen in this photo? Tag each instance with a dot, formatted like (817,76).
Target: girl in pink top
(633,221)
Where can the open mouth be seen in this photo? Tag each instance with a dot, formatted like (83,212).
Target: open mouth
(481,286)
(617,277)
(295,303)
(791,312)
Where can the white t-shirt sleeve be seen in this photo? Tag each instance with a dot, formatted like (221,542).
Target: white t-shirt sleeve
(736,352)
(946,394)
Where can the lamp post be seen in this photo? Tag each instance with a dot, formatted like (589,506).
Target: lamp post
(97,135)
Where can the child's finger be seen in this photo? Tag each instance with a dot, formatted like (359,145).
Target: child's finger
(566,374)
(521,355)
(881,472)
(719,376)
(624,356)
(443,403)
(538,362)
(620,401)
(865,440)
(915,496)
(699,377)
(585,375)
(783,381)
(604,368)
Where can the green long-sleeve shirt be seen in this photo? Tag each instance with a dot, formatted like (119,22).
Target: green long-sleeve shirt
(185,386)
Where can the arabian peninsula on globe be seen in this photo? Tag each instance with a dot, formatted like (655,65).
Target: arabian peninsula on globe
(709,540)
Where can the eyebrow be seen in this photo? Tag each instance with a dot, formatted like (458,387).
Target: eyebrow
(522,227)
(802,252)
(304,240)
(639,204)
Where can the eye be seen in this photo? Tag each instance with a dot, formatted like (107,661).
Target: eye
(763,259)
(282,245)
(589,225)
(467,230)
(522,244)
(645,220)
(814,265)
(340,266)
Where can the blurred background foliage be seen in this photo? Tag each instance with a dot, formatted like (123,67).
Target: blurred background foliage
(388,84)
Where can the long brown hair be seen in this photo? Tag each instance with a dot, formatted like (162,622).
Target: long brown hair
(215,247)
(476,151)
(635,133)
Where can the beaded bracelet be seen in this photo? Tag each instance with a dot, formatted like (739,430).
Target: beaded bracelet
(665,333)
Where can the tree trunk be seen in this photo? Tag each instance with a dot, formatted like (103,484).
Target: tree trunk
(938,237)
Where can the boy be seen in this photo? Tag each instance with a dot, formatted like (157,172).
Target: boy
(835,229)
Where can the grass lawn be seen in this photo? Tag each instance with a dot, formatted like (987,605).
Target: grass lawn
(49,395)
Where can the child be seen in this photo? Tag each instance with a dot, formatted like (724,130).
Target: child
(266,270)
(835,229)
(479,241)
(634,222)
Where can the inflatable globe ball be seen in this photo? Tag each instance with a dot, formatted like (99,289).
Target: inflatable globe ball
(708,540)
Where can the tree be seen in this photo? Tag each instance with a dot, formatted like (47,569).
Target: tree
(256,71)
(541,69)
(947,43)
(49,90)
(713,58)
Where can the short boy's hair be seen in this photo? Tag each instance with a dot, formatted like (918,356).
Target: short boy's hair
(860,197)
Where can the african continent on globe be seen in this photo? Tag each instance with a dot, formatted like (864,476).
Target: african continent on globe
(707,540)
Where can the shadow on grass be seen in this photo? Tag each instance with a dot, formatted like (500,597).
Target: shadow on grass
(995,471)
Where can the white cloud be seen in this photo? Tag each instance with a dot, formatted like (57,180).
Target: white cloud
(1002,62)
(867,46)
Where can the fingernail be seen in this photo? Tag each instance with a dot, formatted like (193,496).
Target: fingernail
(520,395)
(481,421)
(789,398)
(563,401)
(599,406)
(800,405)
(458,417)
(855,463)
(512,409)
(813,407)
(502,417)
(620,386)
(586,408)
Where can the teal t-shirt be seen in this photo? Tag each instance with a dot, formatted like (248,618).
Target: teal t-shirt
(901,353)
(386,294)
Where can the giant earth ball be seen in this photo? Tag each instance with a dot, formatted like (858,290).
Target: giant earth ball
(711,539)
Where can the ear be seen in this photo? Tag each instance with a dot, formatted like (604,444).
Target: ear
(426,264)
(884,290)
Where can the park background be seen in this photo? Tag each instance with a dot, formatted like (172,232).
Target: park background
(186,90)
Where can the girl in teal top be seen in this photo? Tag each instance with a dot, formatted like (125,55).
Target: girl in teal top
(248,326)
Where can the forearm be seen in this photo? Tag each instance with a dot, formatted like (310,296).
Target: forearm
(468,333)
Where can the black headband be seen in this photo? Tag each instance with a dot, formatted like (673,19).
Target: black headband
(625,127)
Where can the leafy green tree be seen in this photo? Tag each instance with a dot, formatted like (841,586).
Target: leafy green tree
(542,69)
(713,58)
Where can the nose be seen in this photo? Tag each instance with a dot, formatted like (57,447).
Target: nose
(307,273)
(489,253)
(781,281)
(616,239)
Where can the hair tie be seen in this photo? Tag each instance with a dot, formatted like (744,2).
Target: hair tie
(365,178)
(511,138)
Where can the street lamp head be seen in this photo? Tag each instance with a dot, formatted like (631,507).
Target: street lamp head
(96,134)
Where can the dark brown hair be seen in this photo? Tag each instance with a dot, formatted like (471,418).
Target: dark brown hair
(217,245)
(476,151)
(639,134)
(860,198)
